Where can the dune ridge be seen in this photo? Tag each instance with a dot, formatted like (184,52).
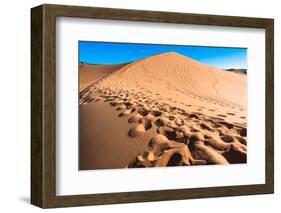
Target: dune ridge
(89,77)
(188,113)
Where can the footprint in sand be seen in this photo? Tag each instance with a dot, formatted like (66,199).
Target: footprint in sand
(122,107)
(172,134)
(163,152)
(179,122)
(116,103)
(235,155)
(184,137)
(193,115)
(146,122)
(241,140)
(206,126)
(143,112)
(227,138)
(135,118)
(223,116)
(108,100)
(137,130)
(228,125)
(86,100)
(127,112)
(162,121)
(171,117)
(243,132)
(144,125)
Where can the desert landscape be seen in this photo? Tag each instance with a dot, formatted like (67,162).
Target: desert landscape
(163,110)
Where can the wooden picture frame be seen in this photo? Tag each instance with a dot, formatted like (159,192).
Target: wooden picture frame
(43,105)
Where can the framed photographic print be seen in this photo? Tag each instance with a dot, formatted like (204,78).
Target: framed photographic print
(135,106)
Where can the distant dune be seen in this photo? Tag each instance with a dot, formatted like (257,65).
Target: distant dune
(90,73)
(165,110)
(241,71)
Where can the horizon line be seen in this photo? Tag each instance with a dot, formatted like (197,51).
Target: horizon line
(241,68)
(120,53)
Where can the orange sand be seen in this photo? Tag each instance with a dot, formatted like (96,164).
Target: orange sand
(165,110)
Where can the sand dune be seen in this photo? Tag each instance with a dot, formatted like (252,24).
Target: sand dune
(90,73)
(165,110)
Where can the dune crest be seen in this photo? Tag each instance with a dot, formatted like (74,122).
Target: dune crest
(182,112)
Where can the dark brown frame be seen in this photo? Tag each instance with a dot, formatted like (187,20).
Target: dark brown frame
(43,105)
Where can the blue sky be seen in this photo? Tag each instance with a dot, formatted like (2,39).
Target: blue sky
(117,53)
